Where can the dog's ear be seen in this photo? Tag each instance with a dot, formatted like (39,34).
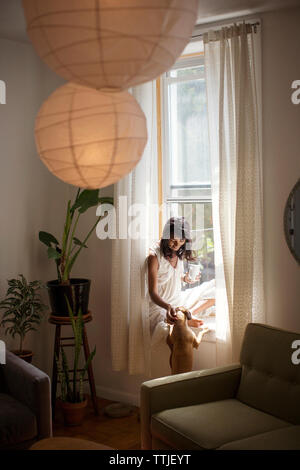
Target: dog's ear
(188,314)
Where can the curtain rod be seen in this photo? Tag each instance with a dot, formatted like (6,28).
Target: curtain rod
(250,24)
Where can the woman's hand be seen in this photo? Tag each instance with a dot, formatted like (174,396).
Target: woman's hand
(171,315)
(188,280)
(195,322)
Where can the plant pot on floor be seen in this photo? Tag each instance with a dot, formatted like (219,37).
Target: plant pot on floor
(25,354)
(77,293)
(74,413)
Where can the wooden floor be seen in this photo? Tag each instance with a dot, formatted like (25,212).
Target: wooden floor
(118,433)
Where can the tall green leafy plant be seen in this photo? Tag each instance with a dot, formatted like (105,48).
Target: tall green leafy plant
(66,253)
(70,391)
(23,308)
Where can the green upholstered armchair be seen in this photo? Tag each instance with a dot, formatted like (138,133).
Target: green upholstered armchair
(251,405)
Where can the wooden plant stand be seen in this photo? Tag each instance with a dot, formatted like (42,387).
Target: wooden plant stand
(59,321)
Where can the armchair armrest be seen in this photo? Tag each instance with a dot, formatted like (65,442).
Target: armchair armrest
(187,389)
(29,385)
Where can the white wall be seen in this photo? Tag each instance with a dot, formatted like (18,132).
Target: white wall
(281,159)
(31,198)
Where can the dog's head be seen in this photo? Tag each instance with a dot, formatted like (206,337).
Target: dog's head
(186,313)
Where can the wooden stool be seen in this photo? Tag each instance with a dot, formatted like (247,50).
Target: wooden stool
(58,344)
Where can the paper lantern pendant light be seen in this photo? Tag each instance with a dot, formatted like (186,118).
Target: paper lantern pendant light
(110,43)
(89,138)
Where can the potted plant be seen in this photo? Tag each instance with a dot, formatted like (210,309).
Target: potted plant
(23,309)
(66,253)
(73,400)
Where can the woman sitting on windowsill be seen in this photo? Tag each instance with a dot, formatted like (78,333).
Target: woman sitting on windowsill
(165,277)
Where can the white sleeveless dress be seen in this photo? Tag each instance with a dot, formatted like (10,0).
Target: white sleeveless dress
(169,289)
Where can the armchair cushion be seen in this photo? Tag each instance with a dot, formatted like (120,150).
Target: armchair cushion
(270,381)
(210,425)
(287,438)
(17,422)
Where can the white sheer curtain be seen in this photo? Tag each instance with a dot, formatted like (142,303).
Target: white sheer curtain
(130,331)
(231,63)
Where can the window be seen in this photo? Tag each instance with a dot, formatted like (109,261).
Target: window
(186,177)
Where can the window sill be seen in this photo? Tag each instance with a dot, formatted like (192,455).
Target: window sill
(209,322)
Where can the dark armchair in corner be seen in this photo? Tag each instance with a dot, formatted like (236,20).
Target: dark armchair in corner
(25,404)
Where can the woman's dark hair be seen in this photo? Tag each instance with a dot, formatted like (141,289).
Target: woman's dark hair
(177,227)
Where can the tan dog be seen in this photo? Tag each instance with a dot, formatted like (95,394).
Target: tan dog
(182,340)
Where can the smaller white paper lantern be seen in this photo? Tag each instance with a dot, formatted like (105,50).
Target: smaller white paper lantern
(89,138)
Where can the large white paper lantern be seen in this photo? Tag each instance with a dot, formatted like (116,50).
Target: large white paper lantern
(110,43)
(90,138)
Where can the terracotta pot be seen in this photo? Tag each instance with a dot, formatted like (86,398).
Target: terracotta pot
(73,412)
(26,355)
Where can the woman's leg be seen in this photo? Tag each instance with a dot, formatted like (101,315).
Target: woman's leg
(204,304)
(199,298)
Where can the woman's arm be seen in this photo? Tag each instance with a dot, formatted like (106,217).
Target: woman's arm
(153,290)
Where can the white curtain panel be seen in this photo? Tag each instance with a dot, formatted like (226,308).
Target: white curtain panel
(232,62)
(136,202)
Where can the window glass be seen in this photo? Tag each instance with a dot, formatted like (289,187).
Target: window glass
(186,160)
(188,145)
